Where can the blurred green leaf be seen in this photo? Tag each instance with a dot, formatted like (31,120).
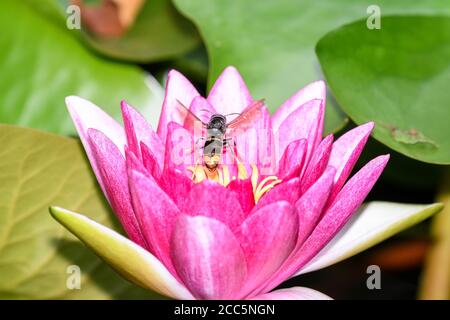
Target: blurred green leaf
(194,64)
(37,170)
(398,77)
(41,63)
(158,33)
(272,42)
(435,280)
(398,175)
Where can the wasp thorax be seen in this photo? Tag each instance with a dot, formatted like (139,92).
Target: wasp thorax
(217,122)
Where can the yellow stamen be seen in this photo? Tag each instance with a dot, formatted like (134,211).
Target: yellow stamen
(222,176)
(262,183)
(226,175)
(198,174)
(242,172)
(260,191)
(255,177)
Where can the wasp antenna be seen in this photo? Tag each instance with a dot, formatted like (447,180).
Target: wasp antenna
(232,114)
(179,102)
(206,110)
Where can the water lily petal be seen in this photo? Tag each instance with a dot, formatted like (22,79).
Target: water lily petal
(210,199)
(309,208)
(139,131)
(180,149)
(177,185)
(291,163)
(345,152)
(132,162)
(113,176)
(267,237)
(156,214)
(243,191)
(202,109)
(287,190)
(302,123)
(208,257)
(229,93)
(295,293)
(127,258)
(341,209)
(87,115)
(151,162)
(374,222)
(254,141)
(318,163)
(180,89)
(312,202)
(315,90)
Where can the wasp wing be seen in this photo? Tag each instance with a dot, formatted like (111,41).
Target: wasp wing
(190,119)
(246,119)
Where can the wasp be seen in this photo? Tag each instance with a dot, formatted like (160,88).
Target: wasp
(220,133)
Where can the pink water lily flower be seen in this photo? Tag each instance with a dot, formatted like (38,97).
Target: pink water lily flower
(243,232)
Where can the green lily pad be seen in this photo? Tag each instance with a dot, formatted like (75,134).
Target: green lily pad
(272,42)
(397,76)
(37,170)
(41,63)
(158,33)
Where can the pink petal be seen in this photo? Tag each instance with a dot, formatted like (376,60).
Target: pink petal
(267,237)
(113,176)
(150,161)
(295,293)
(312,203)
(302,123)
(315,90)
(243,191)
(287,190)
(265,150)
(177,88)
(202,109)
(138,130)
(156,213)
(341,209)
(86,115)
(318,163)
(213,200)
(132,162)
(208,258)
(254,144)
(345,152)
(291,162)
(180,150)
(309,208)
(229,94)
(176,184)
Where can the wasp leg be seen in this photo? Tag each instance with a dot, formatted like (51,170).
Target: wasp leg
(227,145)
(200,139)
(194,171)
(199,156)
(226,142)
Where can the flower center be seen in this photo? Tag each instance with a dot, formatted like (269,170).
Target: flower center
(222,175)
